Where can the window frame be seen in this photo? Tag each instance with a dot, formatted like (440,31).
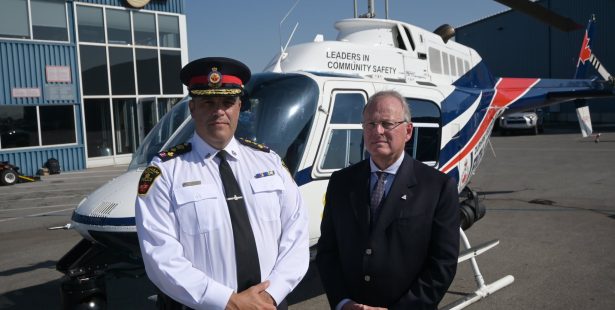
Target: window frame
(330,128)
(39,129)
(30,28)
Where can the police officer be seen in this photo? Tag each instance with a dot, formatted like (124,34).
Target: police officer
(221,223)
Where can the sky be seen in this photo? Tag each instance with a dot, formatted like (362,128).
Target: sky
(251,30)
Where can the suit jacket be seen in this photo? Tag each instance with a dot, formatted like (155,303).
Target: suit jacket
(408,258)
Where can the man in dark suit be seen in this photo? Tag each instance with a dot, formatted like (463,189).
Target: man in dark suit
(390,229)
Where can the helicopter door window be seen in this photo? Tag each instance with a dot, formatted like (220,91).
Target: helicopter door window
(445,63)
(347,108)
(453,65)
(344,148)
(409,38)
(344,136)
(435,64)
(425,143)
(460,66)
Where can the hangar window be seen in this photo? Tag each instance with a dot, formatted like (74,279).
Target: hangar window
(118,27)
(21,126)
(121,64)
(98,127)
(14,19)
(49,20)
(57,124)
(18,127)
(147,71)
(125,125)
(168,30)
(90,24)
(435,63)
(171,64)
(94,70)
(130,62)
(145,28)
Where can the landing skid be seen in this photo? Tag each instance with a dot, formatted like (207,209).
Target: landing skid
(483,290)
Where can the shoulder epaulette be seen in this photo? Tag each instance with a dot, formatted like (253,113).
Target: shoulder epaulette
(175,151)
(254,145)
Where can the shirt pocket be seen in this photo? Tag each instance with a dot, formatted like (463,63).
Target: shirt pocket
(197,209)
(267,191)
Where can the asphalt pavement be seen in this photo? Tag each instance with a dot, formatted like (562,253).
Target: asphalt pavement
(549,198)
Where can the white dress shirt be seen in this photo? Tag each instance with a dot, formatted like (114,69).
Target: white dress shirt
(185,230)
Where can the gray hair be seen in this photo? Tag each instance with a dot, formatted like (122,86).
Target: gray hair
(390,93)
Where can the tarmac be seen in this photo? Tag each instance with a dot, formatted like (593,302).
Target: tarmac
(549,198)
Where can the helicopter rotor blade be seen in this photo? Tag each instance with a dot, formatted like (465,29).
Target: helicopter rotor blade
(543,14)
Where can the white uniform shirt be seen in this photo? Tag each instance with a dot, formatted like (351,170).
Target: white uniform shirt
(185,230)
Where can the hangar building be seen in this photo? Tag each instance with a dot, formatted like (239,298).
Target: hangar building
(513,44)
(83,81)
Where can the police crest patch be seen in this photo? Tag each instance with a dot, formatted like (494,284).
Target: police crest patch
(148,177)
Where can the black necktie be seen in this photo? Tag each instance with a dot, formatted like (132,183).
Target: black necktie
(246,256)
(376,196)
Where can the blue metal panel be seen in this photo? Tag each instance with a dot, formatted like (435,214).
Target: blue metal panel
(29,161)
(23,64)
(172,6)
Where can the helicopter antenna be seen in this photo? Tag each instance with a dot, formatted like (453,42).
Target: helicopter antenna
(278,67)
(371,9)
(284,19)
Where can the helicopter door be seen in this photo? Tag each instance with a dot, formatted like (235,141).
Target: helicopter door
(342,142)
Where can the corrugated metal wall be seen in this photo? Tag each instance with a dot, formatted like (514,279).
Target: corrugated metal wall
(29,161)
(172,6)
(515,45)
(22,65)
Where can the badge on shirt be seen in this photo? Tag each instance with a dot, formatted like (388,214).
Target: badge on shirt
(264,174)
(148,177)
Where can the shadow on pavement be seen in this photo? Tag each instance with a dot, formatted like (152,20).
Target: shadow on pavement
(46,265)
(123,293)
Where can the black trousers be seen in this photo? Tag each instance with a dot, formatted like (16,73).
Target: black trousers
(165,302)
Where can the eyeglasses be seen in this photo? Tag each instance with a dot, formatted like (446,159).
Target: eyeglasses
(385,124)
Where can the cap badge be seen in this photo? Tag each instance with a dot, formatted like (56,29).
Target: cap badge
(214,77)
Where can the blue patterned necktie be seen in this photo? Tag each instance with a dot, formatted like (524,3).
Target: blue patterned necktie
(377,194)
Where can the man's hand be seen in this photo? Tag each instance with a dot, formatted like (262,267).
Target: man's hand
(253,298)
(268,298)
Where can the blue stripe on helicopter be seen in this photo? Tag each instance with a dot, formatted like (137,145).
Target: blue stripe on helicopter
(304,176)
(103,221)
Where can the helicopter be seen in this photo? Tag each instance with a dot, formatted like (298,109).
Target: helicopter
(307,106)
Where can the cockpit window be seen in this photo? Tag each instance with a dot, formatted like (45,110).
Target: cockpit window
(158,136)
(277,111)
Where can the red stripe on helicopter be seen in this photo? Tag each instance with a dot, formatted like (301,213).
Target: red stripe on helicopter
(507,91)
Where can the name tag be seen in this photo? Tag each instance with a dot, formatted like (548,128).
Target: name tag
(191,183)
